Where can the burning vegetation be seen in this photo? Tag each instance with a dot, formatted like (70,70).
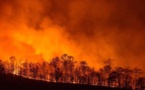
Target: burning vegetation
(91,30)
(34,31)
(65,69)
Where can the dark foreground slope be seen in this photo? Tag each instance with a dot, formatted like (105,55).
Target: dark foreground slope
(10,82)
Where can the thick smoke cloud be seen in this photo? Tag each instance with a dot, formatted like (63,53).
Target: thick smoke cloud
(92,30)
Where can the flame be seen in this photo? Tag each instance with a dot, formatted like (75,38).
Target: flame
(89,30)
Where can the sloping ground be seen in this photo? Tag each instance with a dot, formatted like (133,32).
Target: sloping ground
(11,82)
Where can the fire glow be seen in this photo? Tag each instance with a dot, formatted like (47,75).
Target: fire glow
(89,30)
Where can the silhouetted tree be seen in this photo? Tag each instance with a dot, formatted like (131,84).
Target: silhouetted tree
(12,64)
(101,77)
(68,64)
(24,70)
(137,72)
(86,74)
(7,67)
(56,71)
(113,76)
(2,68)
(93,76)
(127,78)
(141,83)
(76,74)
(107,69)
(33,70)
(119,76)
(43,71)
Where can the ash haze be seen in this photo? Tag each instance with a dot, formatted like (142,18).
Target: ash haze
(91,30)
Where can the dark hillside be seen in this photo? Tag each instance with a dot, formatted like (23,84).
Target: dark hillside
(11,82)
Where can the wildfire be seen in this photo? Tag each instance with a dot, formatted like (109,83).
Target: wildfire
(89,30)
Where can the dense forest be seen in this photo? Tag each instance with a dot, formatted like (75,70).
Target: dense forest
(65,69)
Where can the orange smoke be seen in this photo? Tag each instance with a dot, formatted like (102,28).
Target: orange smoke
(90,30)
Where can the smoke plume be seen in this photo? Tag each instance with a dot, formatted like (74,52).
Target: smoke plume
(91,30)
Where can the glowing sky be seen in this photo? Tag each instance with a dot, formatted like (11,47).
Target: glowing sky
(91,30)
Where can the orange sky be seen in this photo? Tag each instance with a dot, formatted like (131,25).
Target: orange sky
(91,30)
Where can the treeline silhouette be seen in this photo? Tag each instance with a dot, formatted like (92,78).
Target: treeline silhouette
(65,69)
